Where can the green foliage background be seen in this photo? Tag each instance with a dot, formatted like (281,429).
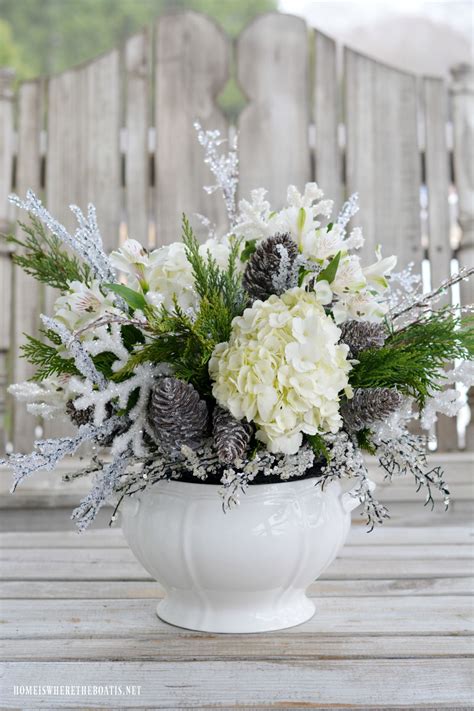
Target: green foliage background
(48,36)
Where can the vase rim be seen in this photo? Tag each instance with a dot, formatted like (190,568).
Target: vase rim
(201,490)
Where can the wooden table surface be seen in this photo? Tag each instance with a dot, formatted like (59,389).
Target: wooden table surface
(392,629)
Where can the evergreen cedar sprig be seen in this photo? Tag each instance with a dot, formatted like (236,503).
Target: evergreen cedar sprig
(45,260)
(412,358)
(50,362)
(188,342)
(46,358)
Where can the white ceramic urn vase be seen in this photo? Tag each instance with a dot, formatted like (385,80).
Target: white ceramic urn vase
(245,570)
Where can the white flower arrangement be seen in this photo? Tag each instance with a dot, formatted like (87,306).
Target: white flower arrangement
(269,351)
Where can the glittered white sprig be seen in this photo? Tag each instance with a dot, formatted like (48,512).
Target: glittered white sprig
(48,452)
(224,167)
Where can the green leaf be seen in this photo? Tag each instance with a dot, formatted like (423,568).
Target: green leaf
(302,274)
(330,226)
(329,273)
(364,441)
(133,298)
(248,250)
(319,446)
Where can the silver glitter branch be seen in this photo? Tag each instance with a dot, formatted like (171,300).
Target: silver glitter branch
(103,488)
(224,167)
(347,462)
(348,210)
(48,452)
(82,359)
(425,302)
(407,455)
(86,241)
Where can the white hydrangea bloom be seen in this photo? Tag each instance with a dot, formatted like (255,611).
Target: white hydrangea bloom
(83,304)
(283,369)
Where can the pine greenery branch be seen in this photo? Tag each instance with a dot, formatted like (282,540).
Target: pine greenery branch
(44,259)
(47,360)
(412,358)
(188,342)
(212,283)
(50,362)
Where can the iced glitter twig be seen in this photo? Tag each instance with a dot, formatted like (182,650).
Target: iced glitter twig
(425,301)
(224,167)
(348,210)
(86,241)
(48,452)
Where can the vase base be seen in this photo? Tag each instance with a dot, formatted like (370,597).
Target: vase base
(243,618)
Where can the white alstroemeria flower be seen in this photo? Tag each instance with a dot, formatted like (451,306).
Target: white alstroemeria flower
(349,276)
(360,307)
(376,273)
(134,260)
(83,304)
(322,291)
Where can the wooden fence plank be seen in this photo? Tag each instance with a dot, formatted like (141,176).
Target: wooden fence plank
(437,183)
(192,56)
(326,115)
(27,292)
(6,172)
(137,116)
(7,142)
(463,128)
(83,154)
(382,156)
(272,70)
(442,683)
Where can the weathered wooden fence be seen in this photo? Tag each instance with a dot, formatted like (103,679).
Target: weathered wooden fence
(118,131)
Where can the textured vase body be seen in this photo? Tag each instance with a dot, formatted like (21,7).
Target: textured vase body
(241,571)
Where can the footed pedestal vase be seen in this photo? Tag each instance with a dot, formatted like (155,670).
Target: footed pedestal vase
(241,571)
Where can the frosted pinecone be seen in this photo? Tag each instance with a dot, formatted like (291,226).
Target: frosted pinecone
(177,415)
(231,436)
(368,405)
(362,335)
(79,417)
(85,417)
(271,268)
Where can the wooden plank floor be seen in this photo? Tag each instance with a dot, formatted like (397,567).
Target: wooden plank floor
(393,628)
